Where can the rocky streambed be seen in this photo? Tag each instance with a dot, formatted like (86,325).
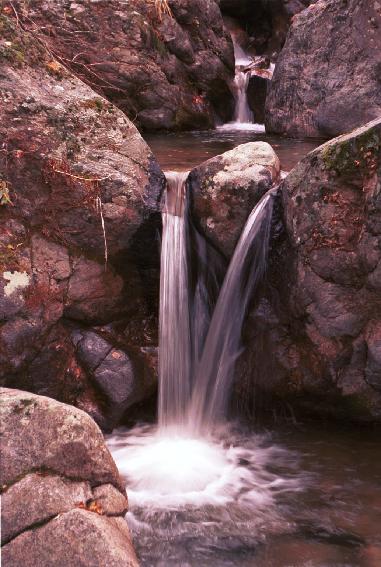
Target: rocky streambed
(81,195)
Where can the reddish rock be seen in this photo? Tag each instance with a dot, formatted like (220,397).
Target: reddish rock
(63,500)
(79,227)
(224,190)
(319,328)
(327,77)
(165,71)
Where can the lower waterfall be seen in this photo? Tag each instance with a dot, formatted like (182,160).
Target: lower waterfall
(196,395)
(194,474)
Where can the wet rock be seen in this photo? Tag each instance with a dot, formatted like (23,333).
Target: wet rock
(324,331)
(164,70)
(63,500)
(78,242)
(224,190)
(326,80)
(256,96)
(119,380)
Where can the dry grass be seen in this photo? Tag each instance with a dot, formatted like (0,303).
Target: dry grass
(162,8)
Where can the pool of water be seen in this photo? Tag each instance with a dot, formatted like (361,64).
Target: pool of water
(183,151)
(296,497)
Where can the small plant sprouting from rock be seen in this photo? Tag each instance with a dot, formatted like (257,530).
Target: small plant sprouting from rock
(91,506)
(4,193)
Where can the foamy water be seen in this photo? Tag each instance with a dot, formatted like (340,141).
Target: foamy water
(243,126)
(194,502)
(172,470)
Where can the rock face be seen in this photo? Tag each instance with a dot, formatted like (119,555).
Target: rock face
(266,22)
(80,211)
(319,326)
(224,190)
(165,68)
(256,96)
(327,78)
(63,501)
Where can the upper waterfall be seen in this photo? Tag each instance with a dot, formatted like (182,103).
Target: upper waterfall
(244,118)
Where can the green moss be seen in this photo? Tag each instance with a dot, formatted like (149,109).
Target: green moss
(93,103)
(181,118)
(356,154)
(7,28)
(14,53)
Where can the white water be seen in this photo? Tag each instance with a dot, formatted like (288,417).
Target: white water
(243,115)
(165,470)
(174,322)
(215,371)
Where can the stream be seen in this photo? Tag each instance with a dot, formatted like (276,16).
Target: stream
(290,495)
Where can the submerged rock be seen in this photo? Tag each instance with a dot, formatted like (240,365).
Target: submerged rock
(63,501)
(79,222)
(320,323)
(327,77)
(225,189)
(165,68)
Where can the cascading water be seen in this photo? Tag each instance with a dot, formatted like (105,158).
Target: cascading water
(174,324)
(204,395)
(243,115)
(222,346)
(193,476)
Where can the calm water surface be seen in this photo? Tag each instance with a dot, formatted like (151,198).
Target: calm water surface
(183,151)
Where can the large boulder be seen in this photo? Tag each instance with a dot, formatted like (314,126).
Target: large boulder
(256,96)
(224,190)
(80,195)
(166,65)
(327,78)
(315,337)
(63,500)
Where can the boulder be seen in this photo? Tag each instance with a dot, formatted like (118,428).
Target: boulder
(327,77)
(63,500)
(321,316)
(165,68)
(256,96)
(112,370)
(224,190)
(80,212)
(73,539)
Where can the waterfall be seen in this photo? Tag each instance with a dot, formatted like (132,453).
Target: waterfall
(243,113)
(197,348)
(174,320)
(215,371)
